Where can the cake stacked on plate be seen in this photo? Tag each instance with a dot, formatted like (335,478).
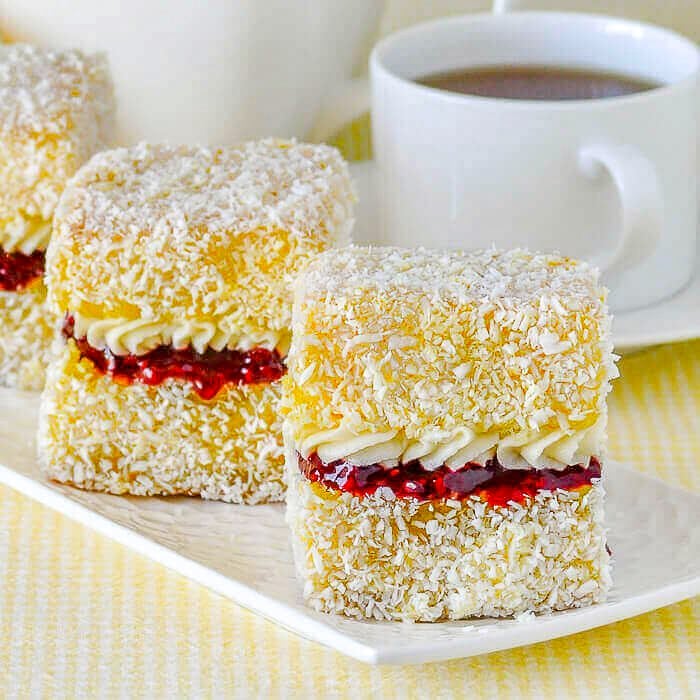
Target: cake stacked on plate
(445,429)
(173,270)
(56,110)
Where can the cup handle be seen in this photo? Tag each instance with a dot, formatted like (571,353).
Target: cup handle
(349,102)
(640,198)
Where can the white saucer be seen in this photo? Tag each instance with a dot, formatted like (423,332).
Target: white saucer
(243,553)
(670,321)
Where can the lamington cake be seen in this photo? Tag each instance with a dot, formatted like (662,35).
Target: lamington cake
(56,110)
(444,433)
(173,269)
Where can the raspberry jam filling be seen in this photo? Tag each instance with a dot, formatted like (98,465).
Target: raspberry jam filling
(490,482)
(208,372)
(17,270)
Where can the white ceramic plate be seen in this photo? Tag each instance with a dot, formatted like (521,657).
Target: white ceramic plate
(242,552)
(673,320)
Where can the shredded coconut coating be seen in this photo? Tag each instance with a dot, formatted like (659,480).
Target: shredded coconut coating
(159,440)
(192,235)
(56,110)
(419,342)
(26,333)
(384,558)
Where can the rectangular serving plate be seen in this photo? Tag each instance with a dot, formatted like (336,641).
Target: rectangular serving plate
(243,553)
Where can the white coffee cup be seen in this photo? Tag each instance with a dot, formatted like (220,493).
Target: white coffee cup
(214,72)
(612,180)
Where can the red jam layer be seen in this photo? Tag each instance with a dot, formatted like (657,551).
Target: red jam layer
(208,372)
(490,482)
(17,270)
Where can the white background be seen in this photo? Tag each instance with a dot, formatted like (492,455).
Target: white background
(681,15)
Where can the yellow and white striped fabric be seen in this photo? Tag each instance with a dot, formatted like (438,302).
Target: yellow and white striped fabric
(83,616)
(80,615)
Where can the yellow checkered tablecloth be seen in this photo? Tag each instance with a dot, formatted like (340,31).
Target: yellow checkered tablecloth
(83,616)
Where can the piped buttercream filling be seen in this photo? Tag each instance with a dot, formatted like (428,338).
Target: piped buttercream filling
(552,449)
(138,336)
(25,235)
(207,372)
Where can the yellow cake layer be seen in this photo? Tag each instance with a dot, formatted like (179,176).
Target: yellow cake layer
(405,353)
(196,243)
(150,440)
(56,110)
(26,334)
(399,559)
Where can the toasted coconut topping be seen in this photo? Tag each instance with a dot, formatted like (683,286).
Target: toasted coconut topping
(45,91)
(177,235)
(417,344)
(159,440)
(26,333)
(388,558)
(56,110)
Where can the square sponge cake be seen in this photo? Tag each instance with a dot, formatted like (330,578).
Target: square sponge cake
(445,418)
(56,110)
(173,268)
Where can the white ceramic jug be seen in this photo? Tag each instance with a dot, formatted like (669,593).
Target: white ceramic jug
(214,72)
